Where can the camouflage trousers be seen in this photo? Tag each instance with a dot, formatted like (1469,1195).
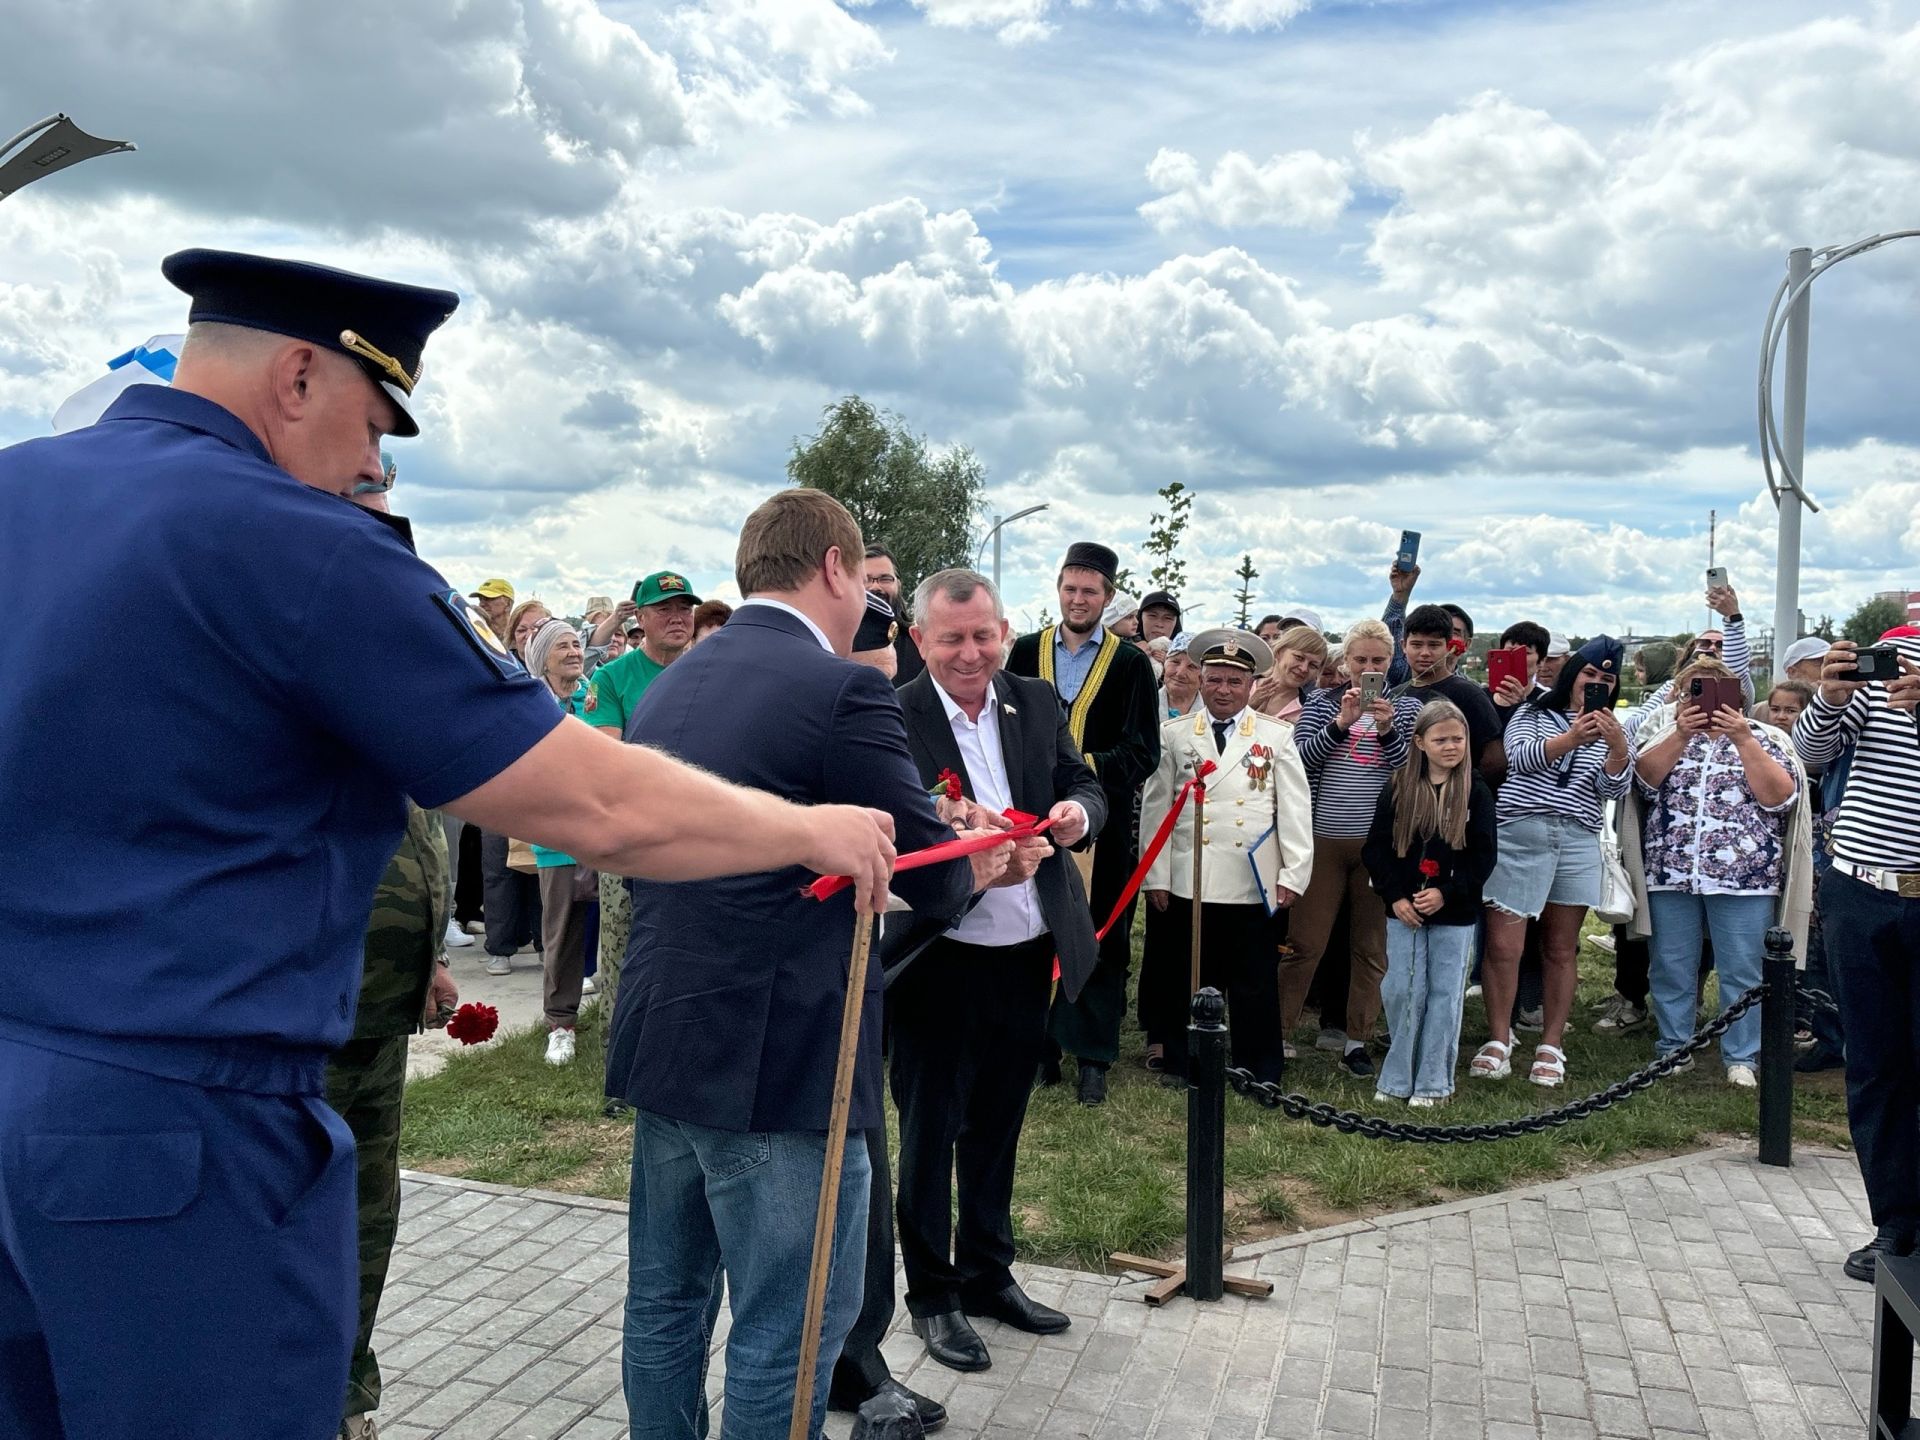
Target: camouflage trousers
(616,923)
(365,1081)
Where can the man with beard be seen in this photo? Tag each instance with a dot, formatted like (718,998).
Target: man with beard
(1109,692)
(665,604)
(883,579)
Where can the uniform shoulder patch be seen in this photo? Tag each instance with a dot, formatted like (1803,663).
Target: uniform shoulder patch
(473,626)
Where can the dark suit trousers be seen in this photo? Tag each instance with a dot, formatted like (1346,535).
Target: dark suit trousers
(861,1368)
(969,1022)
(1239,959)
(1090,1026)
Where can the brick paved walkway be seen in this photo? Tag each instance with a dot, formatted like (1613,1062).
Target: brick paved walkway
(1695,1296)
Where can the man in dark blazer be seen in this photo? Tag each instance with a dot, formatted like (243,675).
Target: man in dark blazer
(969,1014)
(724,1035)
(1108,689)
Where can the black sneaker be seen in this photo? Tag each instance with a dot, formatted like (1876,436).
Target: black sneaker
(1357,1061)
(1819,1056)
(1886,1241)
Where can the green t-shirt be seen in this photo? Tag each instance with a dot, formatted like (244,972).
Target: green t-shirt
(616,687)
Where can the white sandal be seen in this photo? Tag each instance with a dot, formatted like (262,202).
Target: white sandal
(1494,1061)
(1549,1066)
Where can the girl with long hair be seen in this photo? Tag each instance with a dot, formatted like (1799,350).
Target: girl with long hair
(1431,849)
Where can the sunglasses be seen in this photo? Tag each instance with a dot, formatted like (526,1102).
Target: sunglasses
(380,486)
(1712,645)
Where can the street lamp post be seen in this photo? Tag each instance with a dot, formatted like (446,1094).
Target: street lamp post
(51,145)
(1783,448)
(999,522)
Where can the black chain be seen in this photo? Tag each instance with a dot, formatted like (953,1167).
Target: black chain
(1818,1001)
(1349,1122)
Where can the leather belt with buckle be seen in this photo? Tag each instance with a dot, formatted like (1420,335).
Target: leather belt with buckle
(1905,884)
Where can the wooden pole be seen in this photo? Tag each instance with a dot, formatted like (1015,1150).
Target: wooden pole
(1199,849)
(801,1426)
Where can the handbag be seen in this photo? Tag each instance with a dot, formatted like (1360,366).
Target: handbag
(1616,890)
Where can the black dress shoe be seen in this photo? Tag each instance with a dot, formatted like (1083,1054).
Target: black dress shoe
(1093,1084)
(1886,1241)
(1820,1057)
(1049,1074)
(1357,1061)
(1013,1306)
(931,1412)
(952,1341)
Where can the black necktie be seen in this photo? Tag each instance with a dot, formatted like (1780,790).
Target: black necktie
(1220,728)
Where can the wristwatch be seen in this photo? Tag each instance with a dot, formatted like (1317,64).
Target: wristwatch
(1736,615)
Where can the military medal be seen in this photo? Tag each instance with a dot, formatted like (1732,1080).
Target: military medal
(1259,763)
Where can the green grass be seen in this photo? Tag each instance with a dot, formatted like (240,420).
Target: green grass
(1091,1182)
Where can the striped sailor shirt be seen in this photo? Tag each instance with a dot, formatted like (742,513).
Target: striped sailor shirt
(1348,771)
(1879,822)
(1576,786)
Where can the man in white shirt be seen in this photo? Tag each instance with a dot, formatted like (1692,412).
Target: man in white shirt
(969,1013)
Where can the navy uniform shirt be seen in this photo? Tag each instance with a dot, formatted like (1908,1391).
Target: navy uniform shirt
(187,857)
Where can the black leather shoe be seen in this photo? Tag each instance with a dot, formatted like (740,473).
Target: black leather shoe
(952,1341)
(931,1412)
(1093,1084)
(1886,1241)
(1048,1074)
(1013,1306)
(1820,1057)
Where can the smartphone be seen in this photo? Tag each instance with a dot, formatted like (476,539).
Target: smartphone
(1372,682)
(1409,553)
(1875,662)
(1595,695)
(1717,578)
(1710,692)
(1508,664)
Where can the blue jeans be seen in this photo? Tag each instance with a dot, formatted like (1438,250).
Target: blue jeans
(705,1201)
(1738,924)
(1425,986)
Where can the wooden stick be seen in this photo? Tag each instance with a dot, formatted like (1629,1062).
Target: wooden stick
(801,1427)
(1199,849)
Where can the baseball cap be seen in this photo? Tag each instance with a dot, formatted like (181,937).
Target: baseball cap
(1556,644)
(1308,618)
(493,590)
(1811,647)
(663,585)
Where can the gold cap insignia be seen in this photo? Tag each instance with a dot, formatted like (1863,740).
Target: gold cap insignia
(384,362)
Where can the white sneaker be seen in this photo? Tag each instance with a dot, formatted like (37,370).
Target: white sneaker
(1620,1016)
(499,964)
(457,938)
(560,1047)
(1602,942)
(476,927)
(1742,1077)
(1473,990)
(1332,1041)
(587,987)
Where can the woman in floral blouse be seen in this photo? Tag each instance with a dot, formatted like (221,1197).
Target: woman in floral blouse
(1720,789)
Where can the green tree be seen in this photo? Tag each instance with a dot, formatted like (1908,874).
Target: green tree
(1168,571)
(1874,618)
(1243,597)
(919,502)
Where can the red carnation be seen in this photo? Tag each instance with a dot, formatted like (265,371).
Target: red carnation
(948,785)
(474,1024)
(1430,869)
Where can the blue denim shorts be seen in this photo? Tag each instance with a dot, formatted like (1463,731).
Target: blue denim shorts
(1544,860)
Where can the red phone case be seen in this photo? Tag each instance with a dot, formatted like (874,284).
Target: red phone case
(1505,664)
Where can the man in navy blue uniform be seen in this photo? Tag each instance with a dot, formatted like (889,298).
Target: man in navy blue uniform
(725,1034)
(176,1201)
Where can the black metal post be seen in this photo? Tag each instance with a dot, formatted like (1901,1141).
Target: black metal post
(1206,1144)
(1776,1050)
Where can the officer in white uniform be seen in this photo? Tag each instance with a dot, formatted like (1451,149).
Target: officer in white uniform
(1257,831)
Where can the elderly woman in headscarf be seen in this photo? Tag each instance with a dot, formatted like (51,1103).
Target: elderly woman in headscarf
(1179,679)
(1567,756)
(555,655)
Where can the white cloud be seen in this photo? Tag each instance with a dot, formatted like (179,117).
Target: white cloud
(1300,188)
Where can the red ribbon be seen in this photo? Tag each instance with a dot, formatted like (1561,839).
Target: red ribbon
(1160,838)
(1025,827)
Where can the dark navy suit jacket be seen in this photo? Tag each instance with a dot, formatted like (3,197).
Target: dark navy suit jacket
(731,993)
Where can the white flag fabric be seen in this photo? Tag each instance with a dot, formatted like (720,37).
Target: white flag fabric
(148,364)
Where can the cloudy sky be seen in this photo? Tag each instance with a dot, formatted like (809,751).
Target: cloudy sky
(1492,272)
